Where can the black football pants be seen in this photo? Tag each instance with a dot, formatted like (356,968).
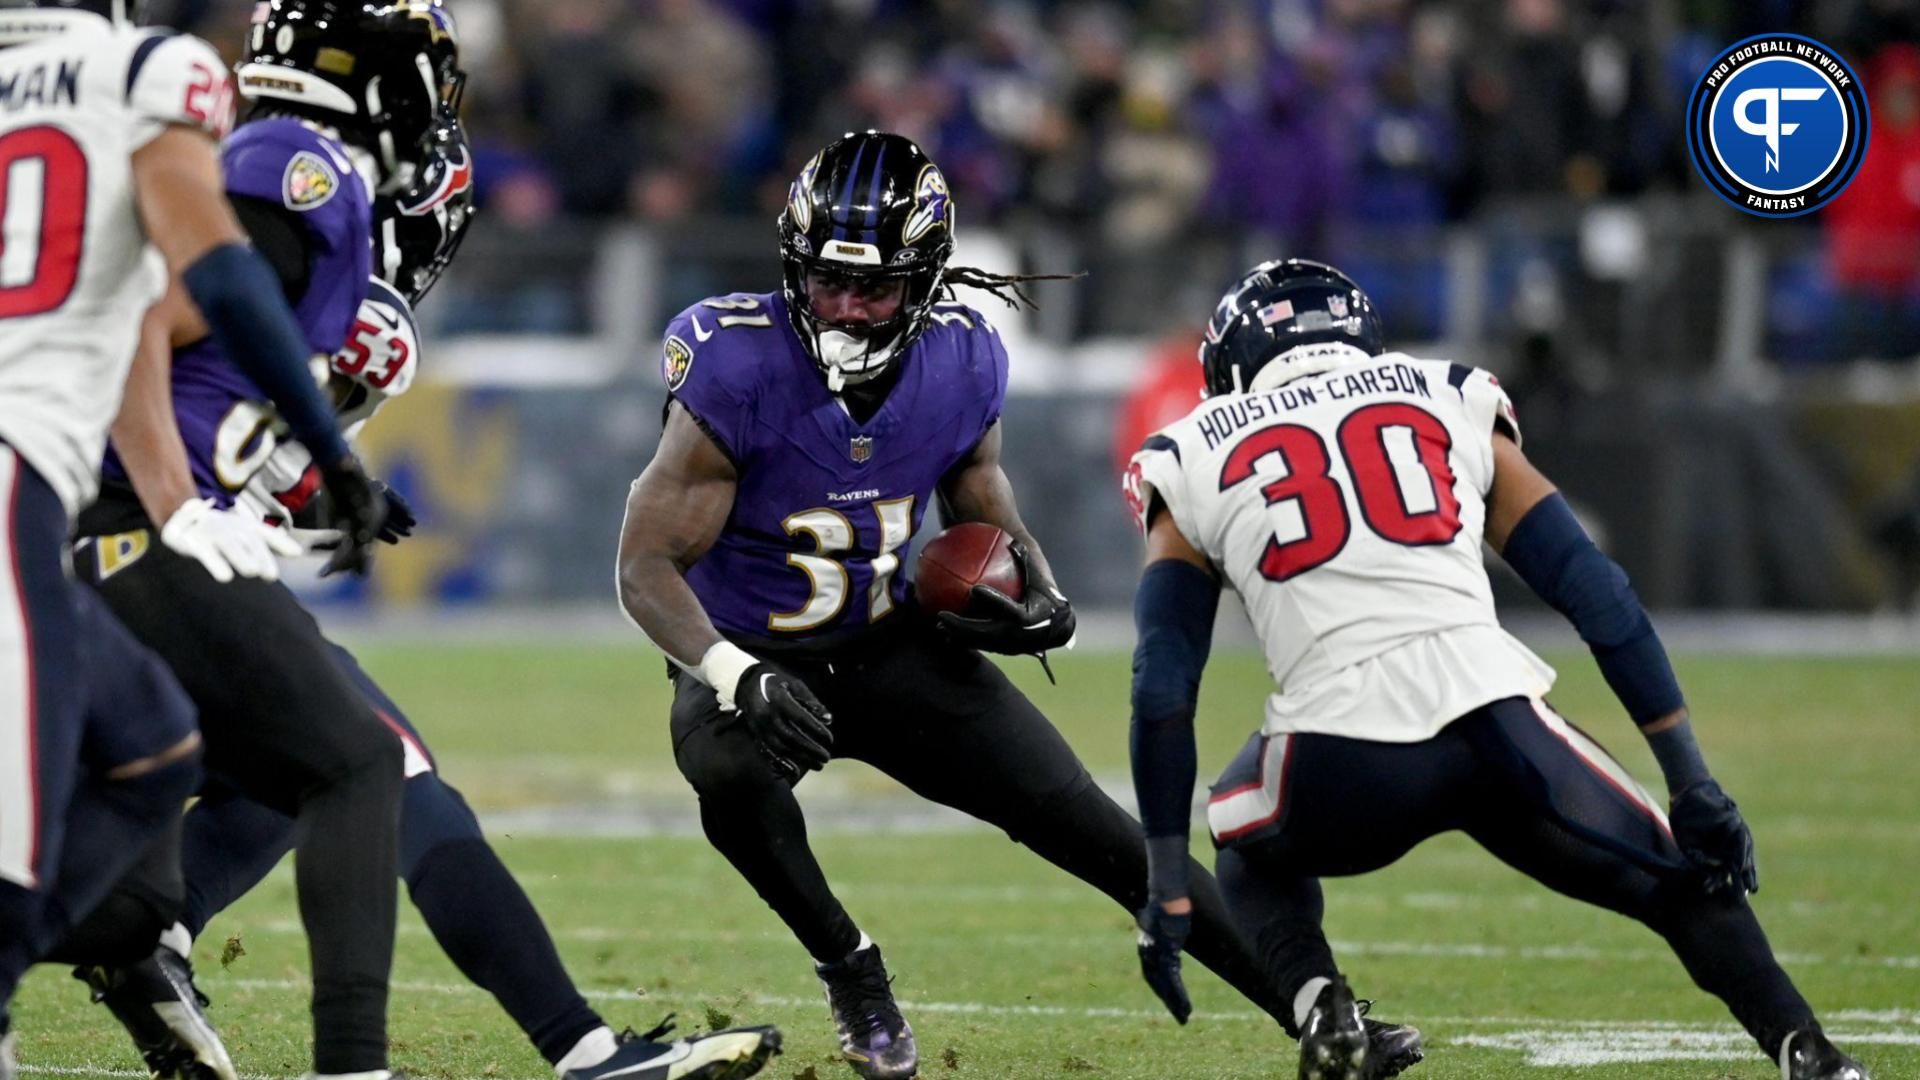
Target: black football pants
(284,725)
(1531,789)
(947,724)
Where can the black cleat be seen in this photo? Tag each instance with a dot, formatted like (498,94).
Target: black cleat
(874,1038)
(1391,1048)
(1333,1042)
(156,1001)
(733,1054)
(1807,1055)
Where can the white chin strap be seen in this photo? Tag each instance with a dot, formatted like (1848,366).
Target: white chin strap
(847,359)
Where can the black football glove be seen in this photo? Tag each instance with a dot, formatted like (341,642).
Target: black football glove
(1711,834)
(789,722)
(1162,937)
(1042,620)
(358,511)
(400,520)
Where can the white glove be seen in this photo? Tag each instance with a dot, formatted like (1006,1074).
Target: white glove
(227,542)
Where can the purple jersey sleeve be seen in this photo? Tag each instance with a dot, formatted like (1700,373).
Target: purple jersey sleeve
(228,425)
(288,163)
(991,355)
(713,376)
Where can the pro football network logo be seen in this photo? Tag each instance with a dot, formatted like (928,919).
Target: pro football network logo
(1777,125)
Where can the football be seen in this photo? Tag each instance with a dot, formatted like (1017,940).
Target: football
(969,554)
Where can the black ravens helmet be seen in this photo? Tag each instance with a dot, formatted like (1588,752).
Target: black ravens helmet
(870,207)
(1278,307)
(380,71)
(417,233)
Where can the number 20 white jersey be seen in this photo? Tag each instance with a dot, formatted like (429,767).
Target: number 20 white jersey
(76,271)
(1346,508)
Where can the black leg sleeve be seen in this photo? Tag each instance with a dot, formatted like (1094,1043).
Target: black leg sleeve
(1554,809)
(751,817)
(1280,913)
(124,928)
(348,834)
(285,727)
(484,921)
(231,844)
(957,732)
(1088,835)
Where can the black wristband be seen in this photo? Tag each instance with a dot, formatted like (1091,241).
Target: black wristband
(1167,876)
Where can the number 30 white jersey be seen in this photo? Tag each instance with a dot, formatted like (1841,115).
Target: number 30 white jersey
(1346,508)
(76,271)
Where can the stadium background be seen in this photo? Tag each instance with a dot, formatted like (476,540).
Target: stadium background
(1733,404)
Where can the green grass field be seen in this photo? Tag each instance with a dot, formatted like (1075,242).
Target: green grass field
(1008,968)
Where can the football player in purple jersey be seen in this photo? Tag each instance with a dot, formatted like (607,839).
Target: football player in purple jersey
(807,431)
(97,741)
(345,94)
(471,903)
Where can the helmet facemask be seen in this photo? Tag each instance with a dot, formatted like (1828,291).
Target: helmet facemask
(868,210)
(853,353)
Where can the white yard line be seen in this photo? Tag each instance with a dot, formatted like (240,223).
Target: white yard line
(1891,1018)
(1435,950)
(1620,1044)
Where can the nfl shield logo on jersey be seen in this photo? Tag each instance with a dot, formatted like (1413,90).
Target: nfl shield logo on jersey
(861,448)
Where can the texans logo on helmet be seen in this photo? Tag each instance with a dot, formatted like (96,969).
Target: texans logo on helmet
(445,179)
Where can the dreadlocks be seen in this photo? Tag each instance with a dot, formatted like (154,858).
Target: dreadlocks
(1005,286)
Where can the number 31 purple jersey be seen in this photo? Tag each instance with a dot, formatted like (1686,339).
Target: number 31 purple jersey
(825,505)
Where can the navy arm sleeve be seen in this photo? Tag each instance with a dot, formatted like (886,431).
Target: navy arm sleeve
(281,238)
(1173,613)
(1557,560)
(237,292)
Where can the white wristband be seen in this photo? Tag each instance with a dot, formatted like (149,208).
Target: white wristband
(721,669)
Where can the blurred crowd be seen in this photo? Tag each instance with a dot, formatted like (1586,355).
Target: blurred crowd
(1141,127)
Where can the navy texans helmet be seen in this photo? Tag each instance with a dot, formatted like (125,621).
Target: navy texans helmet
(378,70)
(1279,307)
(417,232)
(870,206)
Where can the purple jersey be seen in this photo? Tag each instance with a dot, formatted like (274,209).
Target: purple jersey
(227,422)
(825,505)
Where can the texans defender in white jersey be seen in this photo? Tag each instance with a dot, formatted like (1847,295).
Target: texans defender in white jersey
(1343,492)
(106,143)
